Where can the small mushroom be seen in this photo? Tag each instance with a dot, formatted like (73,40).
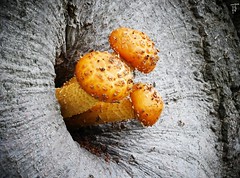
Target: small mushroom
(135,47)
(147,103)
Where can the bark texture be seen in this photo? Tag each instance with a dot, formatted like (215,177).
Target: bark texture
(198,76)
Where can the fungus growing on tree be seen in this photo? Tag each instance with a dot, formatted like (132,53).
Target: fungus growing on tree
(102,89)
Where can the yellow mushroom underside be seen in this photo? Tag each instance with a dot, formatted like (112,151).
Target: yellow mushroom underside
(103,113)
(73,99)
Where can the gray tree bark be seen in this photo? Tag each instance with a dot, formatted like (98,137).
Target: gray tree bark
(198,76)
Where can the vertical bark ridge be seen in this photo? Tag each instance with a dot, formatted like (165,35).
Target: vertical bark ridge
(220,49)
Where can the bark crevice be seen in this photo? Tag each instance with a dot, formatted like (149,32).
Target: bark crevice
(224,85)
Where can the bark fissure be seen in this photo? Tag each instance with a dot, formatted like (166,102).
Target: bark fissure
(221,83)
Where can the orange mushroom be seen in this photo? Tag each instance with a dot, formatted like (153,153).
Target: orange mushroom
(104,76)
(135,47)
(147,103)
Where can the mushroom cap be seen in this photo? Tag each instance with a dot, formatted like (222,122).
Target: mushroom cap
(147,103)
(104,76)
(135,47)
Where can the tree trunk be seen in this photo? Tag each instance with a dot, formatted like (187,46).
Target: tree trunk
(198,76)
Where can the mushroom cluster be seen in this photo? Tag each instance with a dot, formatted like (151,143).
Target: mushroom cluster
(103,90)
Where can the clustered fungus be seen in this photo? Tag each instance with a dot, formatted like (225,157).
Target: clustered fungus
(102,89)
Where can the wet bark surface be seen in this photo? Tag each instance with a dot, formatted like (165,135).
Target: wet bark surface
(198,77)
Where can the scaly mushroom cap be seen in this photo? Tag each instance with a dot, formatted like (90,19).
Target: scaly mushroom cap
(135,47)
(147,103)
(104,76)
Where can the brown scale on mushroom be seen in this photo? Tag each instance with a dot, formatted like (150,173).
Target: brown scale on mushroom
(102,69)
